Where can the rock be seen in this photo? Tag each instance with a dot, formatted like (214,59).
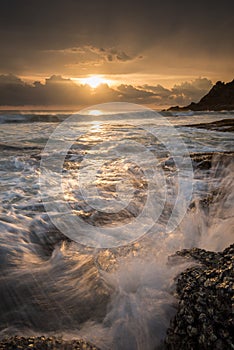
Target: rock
(204,318)
(220,97)
(43,343)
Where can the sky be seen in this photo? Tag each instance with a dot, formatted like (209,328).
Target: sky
(150,52)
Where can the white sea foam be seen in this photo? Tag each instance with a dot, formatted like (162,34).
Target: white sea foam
(118,298)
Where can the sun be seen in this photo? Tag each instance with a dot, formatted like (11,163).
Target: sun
(94,81)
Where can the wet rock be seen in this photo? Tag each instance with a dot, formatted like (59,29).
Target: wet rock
(204,319)
(43,343)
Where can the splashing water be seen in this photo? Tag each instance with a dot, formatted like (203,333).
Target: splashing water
(117,297)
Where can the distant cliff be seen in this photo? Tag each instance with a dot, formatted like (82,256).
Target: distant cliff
(220,97)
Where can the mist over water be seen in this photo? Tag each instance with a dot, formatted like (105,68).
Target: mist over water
(121,297)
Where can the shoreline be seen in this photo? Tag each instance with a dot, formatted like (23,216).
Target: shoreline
(204,312)
(44,343)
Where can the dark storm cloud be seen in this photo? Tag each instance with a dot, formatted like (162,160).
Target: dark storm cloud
(58,91)
(110,54)
(183,30)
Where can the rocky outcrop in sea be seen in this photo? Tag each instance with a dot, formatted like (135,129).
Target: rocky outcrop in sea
(220,97)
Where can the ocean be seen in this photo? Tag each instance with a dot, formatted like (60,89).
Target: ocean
(92,205)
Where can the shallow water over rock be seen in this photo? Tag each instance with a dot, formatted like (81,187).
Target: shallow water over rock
(116,297)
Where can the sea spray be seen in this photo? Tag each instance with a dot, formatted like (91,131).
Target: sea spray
(119,298)
(210,222)
(142,302)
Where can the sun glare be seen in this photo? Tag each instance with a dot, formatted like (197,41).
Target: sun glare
(94,81)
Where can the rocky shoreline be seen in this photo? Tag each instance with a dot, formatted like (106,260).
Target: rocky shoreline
(219,98)
(44,343)
(204,318)
(205,295)
(223,125)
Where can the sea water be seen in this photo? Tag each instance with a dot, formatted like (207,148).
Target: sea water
(116,293)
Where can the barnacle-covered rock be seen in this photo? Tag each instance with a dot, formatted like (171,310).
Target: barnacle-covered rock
(204,319)
(44,343)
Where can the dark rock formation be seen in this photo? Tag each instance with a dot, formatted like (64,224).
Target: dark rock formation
(204,318)
(219,125)
(220,97)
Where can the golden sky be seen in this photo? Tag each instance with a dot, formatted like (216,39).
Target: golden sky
(153,51)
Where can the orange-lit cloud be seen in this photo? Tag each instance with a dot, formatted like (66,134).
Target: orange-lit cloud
(62,92)
(127,38)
